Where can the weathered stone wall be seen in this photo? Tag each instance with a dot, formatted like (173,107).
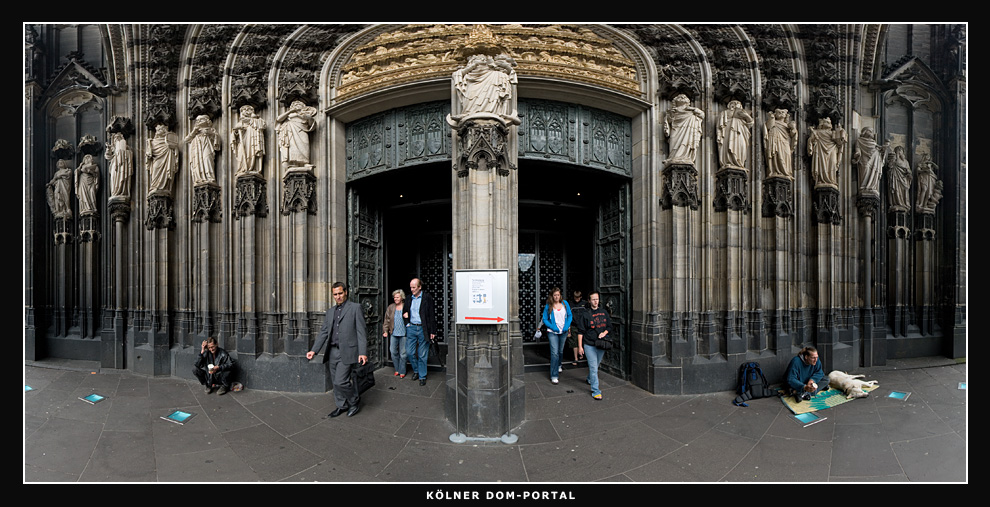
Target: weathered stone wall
(728,259)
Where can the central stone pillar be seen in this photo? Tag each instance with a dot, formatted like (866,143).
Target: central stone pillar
(485,395)
(485,391)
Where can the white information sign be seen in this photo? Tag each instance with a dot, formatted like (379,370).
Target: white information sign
(481,296)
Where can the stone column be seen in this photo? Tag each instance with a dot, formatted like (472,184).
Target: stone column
(874,342)
(777,210)
(120,171)
(683,125)
(249,203)
(152,357)
(89,235)
(780,138)
(58,192)
(680,198)
(293,128)
(733,132)
(898,284)
(929,193)
(485,396)
(826,147)
(205,213)
(485,392)
(826,217)
(299,201)
(731,203)
(112,355)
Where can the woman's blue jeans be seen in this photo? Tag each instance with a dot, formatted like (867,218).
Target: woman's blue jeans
(594,356)
(397,346)
(557,342)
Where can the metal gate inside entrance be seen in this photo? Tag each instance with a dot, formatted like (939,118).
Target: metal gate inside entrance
(580,245)
(547,260)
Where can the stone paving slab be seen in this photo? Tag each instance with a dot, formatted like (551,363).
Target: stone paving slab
(401,436)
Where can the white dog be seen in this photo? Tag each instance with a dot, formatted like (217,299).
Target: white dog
(849,384)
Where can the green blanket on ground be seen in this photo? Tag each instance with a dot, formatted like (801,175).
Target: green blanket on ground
(820,401)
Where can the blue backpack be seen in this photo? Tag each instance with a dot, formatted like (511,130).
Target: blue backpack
(752,384)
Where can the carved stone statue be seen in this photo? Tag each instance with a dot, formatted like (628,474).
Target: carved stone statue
(120,167)
(826,146)
(204,143)
(87,184)
(733,133)
(293,131)
(683,126)
(162,158)
(929,186)
(900,180)
(248,142)
(780,141)
(59,189)
(484,88)
(870,159)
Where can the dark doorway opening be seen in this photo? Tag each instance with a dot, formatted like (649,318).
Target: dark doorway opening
(415,207)
(559,243)
(558,223)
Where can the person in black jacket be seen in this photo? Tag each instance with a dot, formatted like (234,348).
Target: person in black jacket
(421,329)
(213,367)
(593,327)
(578,308)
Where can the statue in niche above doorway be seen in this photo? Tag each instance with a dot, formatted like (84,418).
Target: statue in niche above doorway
(162,158)
(87,185)
(484,89)
(204,143)
(929,186)
(59,189)
(901,177)
(248,142)
(293,128)
(825,145)
(779,141)
(120,167)
(734,132)
(870,159)
(683,126)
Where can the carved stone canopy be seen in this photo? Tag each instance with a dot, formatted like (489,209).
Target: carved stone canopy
(409,53)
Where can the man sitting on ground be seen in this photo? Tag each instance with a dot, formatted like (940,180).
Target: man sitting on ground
(804,375)
(213,367)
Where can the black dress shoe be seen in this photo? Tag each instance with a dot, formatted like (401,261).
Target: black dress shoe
(422,381)
(415,376)
(338,411)
(353,410)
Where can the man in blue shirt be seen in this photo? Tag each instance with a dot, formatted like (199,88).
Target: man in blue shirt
(420,324)
(804,375)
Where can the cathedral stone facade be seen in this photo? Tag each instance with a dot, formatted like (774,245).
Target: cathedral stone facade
(734,192)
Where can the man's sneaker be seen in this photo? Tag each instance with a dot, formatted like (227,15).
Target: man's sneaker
(222,391)
(554,381)
(209,389)
(597,396)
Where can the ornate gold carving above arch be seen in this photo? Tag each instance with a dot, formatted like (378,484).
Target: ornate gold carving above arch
(403,54)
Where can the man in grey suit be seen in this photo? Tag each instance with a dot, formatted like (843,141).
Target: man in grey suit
(345,335)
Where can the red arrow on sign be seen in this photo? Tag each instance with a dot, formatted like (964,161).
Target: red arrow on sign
(496,319)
